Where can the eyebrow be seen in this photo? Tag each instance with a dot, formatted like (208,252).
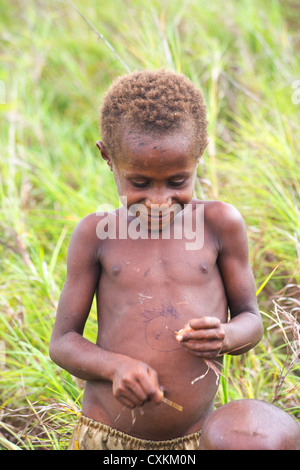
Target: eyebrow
(180,174)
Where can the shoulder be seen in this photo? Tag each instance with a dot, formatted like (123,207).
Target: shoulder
(224,215)
(83,250)
(85,238)
(219,213)
(224,220)
(95,228)
(86,227)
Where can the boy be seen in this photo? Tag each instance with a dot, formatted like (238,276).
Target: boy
(141,391)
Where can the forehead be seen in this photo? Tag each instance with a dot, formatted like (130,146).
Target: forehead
(146,152)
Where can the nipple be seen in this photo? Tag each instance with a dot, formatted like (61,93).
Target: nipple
(203,268)
(116,269)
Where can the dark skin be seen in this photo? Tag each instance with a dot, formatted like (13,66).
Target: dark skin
(149,289)
(250,425)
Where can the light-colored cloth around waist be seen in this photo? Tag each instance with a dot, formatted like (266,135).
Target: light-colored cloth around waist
(93,435)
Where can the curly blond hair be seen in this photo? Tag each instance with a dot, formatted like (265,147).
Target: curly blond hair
(154,102)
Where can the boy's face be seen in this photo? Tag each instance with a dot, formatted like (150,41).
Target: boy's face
(156,173)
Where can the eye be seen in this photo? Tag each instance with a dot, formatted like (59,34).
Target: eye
(177,183)
(139,184)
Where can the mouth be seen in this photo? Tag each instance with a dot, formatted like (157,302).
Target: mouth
(158,222)
(157,219)
(160,216)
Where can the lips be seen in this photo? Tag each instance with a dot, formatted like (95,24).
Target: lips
(161,221)
(158,216)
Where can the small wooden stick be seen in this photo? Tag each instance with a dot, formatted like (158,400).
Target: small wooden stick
(172,403)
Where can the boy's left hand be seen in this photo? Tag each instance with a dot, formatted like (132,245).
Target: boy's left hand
(203,337)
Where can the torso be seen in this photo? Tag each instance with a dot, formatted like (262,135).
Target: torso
(149,289)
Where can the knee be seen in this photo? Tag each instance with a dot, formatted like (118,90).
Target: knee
(250,425)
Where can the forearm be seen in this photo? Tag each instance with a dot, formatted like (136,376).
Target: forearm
(242,333)
(82,358)
(133,382)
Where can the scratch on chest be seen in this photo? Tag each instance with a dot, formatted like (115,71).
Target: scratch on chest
(183,302)
(144,297)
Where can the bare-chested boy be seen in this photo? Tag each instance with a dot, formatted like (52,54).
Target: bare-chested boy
(150,281)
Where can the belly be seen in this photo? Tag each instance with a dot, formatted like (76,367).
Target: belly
(144,329)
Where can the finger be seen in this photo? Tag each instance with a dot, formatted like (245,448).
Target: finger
(130,398)
(203,346)
(151,386)
(131,391)
(203,349)
(204,323)
(202,335)
(138,387)
(198,324)
(140,392)
(205,354)
(125,397)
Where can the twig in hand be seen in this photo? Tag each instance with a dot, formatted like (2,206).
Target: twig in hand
(172,403)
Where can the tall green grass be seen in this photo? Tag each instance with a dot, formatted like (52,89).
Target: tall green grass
(55,66)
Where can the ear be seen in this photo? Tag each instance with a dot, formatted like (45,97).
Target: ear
(104,154)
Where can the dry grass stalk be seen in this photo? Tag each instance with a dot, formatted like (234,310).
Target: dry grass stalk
(286,319)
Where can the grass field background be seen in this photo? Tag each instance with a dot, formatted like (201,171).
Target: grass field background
(57,60)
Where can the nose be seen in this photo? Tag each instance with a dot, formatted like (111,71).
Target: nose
(161,198)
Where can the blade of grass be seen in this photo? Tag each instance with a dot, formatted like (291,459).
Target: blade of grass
(267,280)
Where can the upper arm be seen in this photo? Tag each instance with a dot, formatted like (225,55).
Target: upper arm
(233,262)
(83,272)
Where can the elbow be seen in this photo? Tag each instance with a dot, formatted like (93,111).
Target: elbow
(257,331)
(259,327)
(55,351)
(255,328)
(260,332)
(61,349)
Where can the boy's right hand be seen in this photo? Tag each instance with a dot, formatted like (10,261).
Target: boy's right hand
(135,383)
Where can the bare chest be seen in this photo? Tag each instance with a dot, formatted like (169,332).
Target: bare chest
(143,263)
(153,290)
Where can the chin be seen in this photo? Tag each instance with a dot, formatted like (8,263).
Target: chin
(160,224)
